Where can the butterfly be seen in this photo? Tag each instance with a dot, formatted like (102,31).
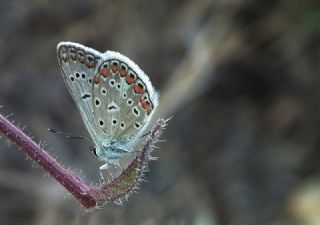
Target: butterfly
(115,98)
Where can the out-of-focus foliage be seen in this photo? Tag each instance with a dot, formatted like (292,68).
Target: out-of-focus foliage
(241,79)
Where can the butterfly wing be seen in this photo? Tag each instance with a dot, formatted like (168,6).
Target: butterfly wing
(115,97)
(123,99)
(78,64)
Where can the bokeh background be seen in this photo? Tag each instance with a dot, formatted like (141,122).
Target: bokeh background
(241,79)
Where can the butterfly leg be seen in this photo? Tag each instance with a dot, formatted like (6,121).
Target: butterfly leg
(103,167)
(106,166)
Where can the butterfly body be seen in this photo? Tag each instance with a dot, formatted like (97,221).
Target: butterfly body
(114,96)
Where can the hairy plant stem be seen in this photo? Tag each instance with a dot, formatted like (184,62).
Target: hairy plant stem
(114,191)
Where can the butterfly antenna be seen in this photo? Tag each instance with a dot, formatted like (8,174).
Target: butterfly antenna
(70,136)
(146,134)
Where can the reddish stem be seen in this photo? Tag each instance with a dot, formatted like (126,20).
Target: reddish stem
(118,189)
(64,176)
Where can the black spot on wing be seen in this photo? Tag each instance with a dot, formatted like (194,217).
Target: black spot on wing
(85,96)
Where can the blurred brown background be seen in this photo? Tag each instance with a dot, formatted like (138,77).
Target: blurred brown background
(241,79)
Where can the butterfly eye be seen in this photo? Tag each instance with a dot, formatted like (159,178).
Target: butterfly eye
(131,77)
(123,70)
(114,66)
(81,56)
(90,61)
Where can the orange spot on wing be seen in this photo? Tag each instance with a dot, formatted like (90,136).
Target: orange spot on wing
(122,72)
(96,79)
(104,72)
(72,53)
(114,68)
(64,53)
(129,79)
(137,89)
(90,61)
(146,105)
